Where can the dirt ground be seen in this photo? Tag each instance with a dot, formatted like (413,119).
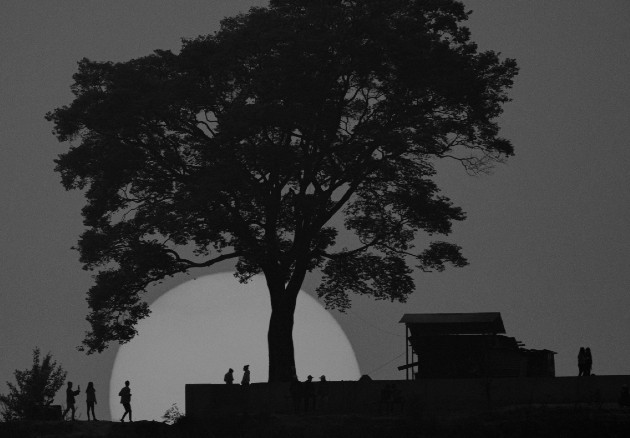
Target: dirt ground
(540,421)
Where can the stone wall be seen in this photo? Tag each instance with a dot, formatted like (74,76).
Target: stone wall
(421,395)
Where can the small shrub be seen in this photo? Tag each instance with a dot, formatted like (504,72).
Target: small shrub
(172,415)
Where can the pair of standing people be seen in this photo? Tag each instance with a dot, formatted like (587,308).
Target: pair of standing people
(585,362)
(229,376)
(303,394)
(90,398)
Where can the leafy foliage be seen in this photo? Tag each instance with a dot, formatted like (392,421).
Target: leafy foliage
(252,143)
(35,389)
(172,415)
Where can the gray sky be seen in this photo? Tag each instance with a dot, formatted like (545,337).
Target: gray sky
(546,234)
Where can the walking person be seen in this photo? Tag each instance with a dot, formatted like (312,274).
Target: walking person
(245,379)
(70,400)
(229,377)
(90,399)
(125,400)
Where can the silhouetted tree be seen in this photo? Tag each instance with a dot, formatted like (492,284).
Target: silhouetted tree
(34,390)
(250,142)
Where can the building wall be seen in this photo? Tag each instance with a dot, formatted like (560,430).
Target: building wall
(420,395)
(470,356)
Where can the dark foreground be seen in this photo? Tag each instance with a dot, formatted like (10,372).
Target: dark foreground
(574,422)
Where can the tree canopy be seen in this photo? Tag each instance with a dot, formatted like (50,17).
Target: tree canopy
(34,390)
(250,142)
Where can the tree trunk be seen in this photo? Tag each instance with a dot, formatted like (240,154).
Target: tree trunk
(280,334)
(280,340)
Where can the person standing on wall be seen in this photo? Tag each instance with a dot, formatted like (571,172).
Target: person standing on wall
(323,392)
(309,394)
(245,379)
(581,362)
(588,365)
(229,377)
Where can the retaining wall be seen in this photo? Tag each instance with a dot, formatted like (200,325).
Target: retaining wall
(423,394)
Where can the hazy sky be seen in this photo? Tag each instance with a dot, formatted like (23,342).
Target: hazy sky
(546,235)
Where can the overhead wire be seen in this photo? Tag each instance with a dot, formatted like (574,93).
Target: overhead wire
(383,365)
(372,325)
(367,322)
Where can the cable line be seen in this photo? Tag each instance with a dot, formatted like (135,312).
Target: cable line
(386,363)
(374,326)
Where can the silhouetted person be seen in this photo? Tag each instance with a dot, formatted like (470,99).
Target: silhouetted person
(624,396)
(229,377)
(245,379)
(581,362)
(90,399)
(323,392)
(309,394)
(125,400)
(588,366)
(70,399)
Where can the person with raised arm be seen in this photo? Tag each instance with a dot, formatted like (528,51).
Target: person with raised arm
(70,400)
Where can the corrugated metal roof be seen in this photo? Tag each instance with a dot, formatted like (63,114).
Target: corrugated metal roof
(455,323)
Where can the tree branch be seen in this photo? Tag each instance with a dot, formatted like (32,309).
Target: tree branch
(210,262)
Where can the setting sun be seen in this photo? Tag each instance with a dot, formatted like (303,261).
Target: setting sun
(203,327)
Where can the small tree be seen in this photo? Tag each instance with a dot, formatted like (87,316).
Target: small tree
(34,390)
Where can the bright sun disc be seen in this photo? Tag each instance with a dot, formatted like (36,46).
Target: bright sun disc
(201,328)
